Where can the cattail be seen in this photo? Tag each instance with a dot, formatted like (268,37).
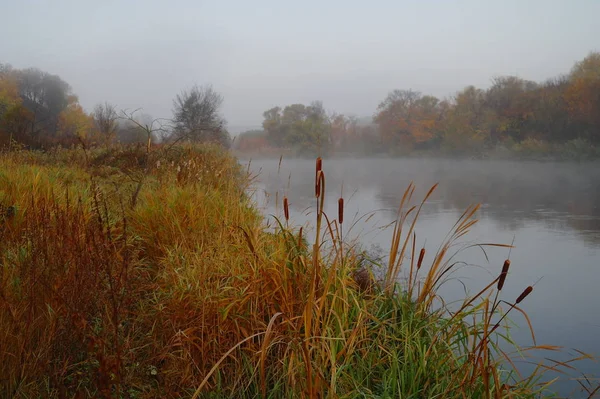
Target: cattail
(421,256)
(300,238)
(503,274)
(524,294)
(286,209)
(317,180)
(341,210)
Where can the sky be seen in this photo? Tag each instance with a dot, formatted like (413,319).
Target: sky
(262,53)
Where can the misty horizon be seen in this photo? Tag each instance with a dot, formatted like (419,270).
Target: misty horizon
(349,56)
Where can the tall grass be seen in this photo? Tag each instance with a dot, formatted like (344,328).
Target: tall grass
(182,292)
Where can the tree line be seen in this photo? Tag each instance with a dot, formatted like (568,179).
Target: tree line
(39,110)
(512,113)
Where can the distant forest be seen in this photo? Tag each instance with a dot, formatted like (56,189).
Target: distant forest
(560,116)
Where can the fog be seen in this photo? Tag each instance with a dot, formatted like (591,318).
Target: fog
(321,71)
(348,54)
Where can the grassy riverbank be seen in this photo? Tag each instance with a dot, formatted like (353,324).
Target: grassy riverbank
(148,273)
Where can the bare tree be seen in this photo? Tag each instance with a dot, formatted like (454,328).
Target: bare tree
(105,118)
(197,118)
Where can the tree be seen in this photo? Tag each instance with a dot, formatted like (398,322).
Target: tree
(105,121)
(15,124)
(9,89)
(406,118)
(272,127)
(512,99)
(467,123)
(306,129)
(583,97)
(197,116)
(12,113)
(46,96)
(74,125)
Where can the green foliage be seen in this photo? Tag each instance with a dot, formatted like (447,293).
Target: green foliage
(304,129)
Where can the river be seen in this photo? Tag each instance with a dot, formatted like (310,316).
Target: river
(550,210)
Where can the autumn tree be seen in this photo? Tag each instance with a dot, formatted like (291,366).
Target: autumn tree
(74,125)
(12,113)
(45,96)
(407,119)
(583,97)
(511,99)
(197,118)
(467,123)
(550,118)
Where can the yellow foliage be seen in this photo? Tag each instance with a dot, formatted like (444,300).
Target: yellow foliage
(73,121)
(9,93)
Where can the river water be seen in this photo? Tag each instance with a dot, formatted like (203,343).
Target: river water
(550,210)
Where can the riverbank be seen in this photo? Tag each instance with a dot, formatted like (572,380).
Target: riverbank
(128,273)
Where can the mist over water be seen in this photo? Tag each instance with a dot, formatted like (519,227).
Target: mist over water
(551,210)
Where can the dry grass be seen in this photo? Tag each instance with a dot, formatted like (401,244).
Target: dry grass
(182,292)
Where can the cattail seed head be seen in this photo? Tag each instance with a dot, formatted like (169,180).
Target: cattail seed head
(319,168)
(503,274)
(341,210)
(421,256)
(320,177)
(286,208)
(524,294)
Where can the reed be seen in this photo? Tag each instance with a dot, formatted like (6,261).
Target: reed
(188,294)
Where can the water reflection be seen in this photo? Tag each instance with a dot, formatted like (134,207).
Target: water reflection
(564,197)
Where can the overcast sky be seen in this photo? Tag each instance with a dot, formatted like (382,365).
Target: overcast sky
(260,54)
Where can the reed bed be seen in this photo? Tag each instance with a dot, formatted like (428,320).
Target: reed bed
(141,274)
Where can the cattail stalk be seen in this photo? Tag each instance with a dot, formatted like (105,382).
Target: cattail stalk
(341,210)
(319,167)
(503,274)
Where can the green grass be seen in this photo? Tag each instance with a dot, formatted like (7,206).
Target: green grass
(126,273)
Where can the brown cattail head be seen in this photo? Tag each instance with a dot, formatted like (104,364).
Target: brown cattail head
(319,168)
(319,184)
(421,256)
(503,274)
(524,294)
(341,210)
(286,208)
